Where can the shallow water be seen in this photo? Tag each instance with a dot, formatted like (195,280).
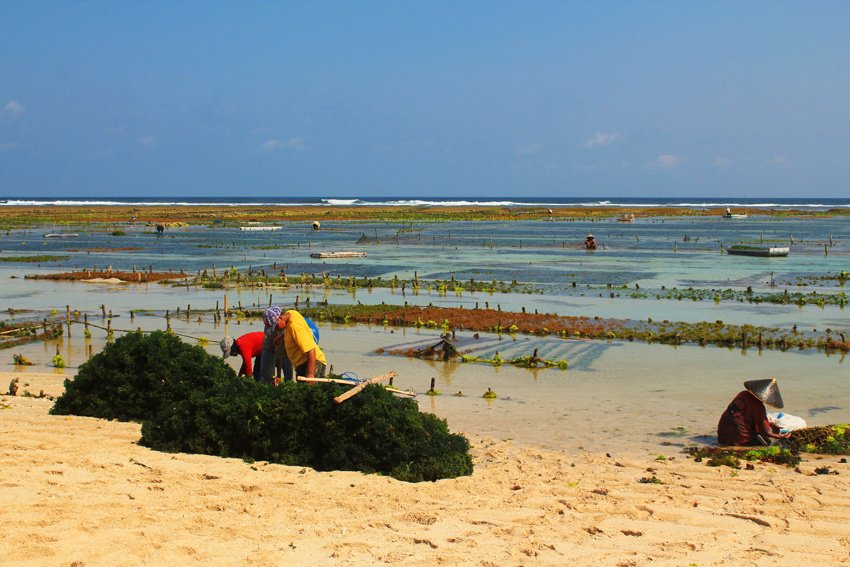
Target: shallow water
(616,396)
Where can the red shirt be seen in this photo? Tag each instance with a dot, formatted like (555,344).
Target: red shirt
(745,418)
(249,345)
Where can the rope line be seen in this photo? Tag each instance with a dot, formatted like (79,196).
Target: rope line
(113,329)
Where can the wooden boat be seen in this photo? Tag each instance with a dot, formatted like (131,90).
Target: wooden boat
(338,254)
(259,228)
(627,217)
(760,250)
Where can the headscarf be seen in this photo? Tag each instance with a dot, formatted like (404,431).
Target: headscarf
(270,317)
(226,345)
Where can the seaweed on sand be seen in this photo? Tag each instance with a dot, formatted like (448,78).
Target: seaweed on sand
(731,457)
(191,401)
(828,439)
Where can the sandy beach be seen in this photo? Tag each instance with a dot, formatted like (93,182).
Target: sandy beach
(80,491)
(568,233)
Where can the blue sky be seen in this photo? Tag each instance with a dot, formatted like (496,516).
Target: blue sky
(359,98)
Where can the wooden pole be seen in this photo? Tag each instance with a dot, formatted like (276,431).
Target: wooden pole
(359,387)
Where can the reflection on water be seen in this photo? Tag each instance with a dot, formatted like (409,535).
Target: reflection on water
(619,395)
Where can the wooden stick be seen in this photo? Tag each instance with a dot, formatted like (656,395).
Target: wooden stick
(359,387)
(390,389)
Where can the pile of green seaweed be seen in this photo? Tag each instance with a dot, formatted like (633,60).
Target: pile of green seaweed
(821,440)
(725,456)
(190,401)
(826,440)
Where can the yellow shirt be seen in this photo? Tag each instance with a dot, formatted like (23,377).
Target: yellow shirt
(298,340)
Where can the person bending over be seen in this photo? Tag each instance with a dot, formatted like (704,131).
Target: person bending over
(250,347)
(300,345)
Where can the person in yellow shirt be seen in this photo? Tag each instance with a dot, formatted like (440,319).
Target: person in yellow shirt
(303,352)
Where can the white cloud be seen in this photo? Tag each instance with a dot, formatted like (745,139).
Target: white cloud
(778,161)
(529,150)
(147,141)
(14,109)
(8,147)
(722,162)
(297,144)
(668,161)
(602,139)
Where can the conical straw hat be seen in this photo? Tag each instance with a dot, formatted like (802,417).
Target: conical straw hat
(766,390)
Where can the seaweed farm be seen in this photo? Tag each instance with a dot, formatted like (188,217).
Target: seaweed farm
(548,328)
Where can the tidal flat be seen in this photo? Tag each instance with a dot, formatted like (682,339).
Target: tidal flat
(666,270)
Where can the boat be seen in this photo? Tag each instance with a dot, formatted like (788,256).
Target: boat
(343,254)
(760,250)
(61,235)
(259,228)
(626,217)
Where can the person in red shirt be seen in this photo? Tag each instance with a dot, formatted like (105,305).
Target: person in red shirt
(745,420)
(250,347)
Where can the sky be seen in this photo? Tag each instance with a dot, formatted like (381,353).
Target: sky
(425,98)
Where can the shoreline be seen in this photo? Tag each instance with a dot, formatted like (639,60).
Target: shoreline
(110,501)
(31,215)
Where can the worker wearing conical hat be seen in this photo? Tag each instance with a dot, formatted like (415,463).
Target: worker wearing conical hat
(745,420)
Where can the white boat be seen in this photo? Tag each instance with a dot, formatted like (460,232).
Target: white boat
(760,250)
(61,235)
(338,255)
(260,228)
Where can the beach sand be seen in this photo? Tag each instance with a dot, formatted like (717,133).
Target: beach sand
(80,491)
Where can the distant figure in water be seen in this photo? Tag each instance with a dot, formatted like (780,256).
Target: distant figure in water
(160,229)
(590,242)
(317,225)
(745,420)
